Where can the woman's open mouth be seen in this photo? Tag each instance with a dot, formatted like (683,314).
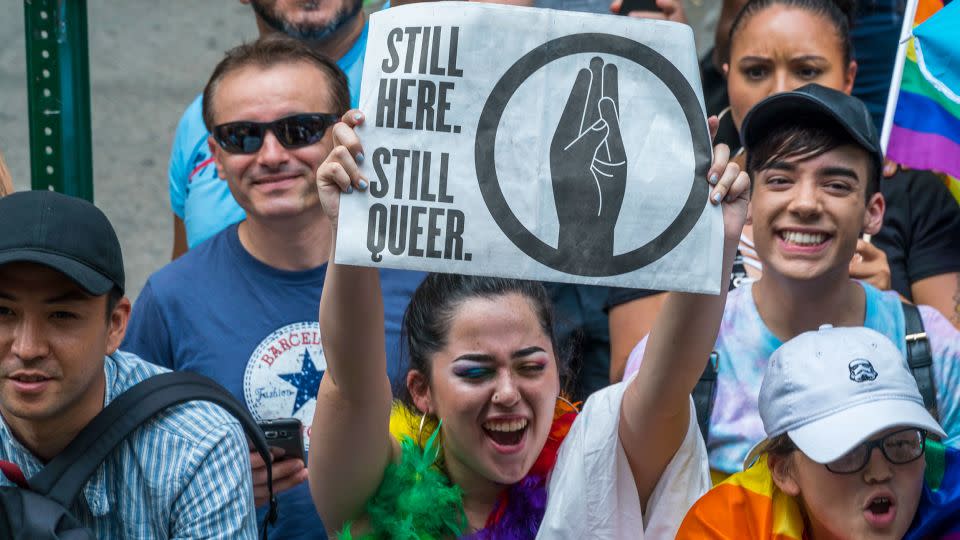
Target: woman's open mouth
(506,434)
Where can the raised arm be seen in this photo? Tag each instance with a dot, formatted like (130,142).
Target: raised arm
(655,413)
(350,444)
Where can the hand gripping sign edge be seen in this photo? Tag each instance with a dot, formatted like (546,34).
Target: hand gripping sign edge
(486,138)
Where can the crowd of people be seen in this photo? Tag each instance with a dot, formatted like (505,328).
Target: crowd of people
(816,397)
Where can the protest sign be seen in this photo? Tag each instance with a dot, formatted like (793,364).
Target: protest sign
(535,144)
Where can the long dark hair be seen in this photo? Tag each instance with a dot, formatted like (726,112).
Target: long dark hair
(839,12)
(427,320)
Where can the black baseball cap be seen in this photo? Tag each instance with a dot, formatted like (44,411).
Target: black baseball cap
(813,102)
(65,233)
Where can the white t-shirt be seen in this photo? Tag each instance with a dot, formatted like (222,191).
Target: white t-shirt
(592,493)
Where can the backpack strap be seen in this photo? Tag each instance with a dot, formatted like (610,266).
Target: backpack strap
(919,357)
(705,394)
(63,478)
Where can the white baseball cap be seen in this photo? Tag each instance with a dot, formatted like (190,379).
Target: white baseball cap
(831,389)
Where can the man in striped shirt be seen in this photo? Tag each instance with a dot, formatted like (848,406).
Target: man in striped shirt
(183,474)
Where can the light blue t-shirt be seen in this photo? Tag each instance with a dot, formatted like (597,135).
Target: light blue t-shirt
(744,346)
(197,195)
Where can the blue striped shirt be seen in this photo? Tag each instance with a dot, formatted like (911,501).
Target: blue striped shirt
(184,474)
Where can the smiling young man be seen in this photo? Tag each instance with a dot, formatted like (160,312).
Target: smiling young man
(185,474)
(814,160)
(242,307)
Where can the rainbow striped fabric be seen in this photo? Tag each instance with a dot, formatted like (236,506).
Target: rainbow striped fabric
(926,125)
(938,514)
(748,505)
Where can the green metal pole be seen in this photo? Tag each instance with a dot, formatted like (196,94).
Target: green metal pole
(58,96)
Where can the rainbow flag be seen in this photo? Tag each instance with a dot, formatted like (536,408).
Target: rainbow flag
(925,128)
(938,514)
(747,505)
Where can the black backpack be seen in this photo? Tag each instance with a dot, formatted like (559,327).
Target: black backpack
(39,510)
(919,358)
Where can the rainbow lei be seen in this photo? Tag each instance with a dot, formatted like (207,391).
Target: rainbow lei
(416,501)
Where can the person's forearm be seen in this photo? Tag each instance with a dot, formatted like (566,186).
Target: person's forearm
(351,326)
(179,238)
(654,416)
(629,324)
(682,338)
(941,292)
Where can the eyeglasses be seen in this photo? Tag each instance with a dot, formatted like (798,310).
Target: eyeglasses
(296,131)
(898,447)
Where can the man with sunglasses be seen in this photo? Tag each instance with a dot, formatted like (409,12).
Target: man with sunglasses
(242,306)
(201,203)
(844,450)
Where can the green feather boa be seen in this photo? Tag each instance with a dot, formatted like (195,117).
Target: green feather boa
(415,500)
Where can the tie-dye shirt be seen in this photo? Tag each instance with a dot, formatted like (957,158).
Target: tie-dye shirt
(745,344)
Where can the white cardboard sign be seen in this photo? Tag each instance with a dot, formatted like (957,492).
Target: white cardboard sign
(533,143)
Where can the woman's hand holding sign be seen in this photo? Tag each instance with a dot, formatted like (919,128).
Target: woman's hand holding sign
(588,164)
(340,171)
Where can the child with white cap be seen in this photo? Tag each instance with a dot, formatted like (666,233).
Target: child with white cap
(844,453)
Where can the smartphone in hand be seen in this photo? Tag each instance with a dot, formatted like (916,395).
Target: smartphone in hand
(638,5)
(286,434)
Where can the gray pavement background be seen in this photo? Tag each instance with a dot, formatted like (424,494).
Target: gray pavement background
(148,60)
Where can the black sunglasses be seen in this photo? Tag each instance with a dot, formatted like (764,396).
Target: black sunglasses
(296,131)
(899,447)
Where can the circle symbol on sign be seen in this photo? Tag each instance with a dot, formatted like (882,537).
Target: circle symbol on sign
(568,260)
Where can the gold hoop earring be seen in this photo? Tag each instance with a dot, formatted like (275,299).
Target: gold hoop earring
(434,438)
(567,402)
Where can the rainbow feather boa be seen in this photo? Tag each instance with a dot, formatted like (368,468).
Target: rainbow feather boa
(416,501)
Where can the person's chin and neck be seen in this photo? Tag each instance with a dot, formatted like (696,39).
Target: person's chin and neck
(330,27)
(54,336)
(802,287)
(285,227)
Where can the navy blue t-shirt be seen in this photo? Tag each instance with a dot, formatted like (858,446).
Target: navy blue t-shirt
(220,312)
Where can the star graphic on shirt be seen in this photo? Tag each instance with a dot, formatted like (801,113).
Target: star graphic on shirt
(307,381)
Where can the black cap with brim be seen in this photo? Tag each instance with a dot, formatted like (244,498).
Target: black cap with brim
(813,102)
(90,280)
(67,234)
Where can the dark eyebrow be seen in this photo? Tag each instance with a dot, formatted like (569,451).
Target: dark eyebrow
(753,59)
(6,296)
(477,357)
(840,171)
(809,58)
(780,165)
(527,352)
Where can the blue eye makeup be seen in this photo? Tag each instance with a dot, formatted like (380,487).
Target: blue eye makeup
(472,372)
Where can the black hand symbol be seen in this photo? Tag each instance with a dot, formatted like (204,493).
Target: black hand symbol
(588,164)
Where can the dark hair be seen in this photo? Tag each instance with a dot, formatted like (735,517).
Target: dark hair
(781,446)
(838,12)
(427,320)
(806,138)
(113,298)
(271,50)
